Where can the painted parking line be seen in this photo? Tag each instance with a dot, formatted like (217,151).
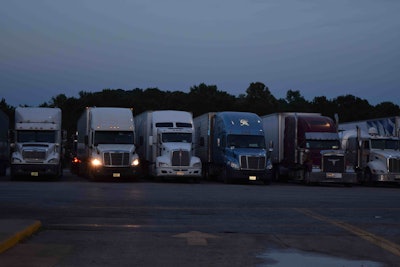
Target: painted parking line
(374,239)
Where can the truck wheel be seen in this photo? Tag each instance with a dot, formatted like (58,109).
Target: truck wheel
(224,176)
(275,173)
(3,169)
(306,178)
(368,177)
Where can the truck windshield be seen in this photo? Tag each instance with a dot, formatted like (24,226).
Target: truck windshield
(176,137)
(36,136)
(245,141)
(113,137)
(322,144)
(384,144)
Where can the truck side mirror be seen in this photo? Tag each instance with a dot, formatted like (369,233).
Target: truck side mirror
(150,140)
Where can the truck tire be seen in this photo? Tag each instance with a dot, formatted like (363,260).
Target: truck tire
(368,177)
(3,169)
(224,176)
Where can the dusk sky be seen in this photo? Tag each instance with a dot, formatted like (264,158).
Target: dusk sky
(321,48)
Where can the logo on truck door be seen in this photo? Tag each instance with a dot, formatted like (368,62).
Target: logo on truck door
(244,122)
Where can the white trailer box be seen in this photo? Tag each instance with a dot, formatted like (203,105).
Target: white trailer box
(105,143)
(165,140)
(38,143)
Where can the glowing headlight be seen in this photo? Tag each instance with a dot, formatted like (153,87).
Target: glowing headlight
(135,162)
(96,162)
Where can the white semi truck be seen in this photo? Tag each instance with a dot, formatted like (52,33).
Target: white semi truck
(373,147)
(38,144)
(165,140)
(105,144)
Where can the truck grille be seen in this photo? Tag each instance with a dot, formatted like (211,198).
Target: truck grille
(333,164)
(252,163)
(116,159)
(394,165)
(180,158)
(34,154)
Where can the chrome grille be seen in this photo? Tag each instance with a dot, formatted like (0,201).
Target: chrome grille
(34,154)
(180,158)
(252,163)
(333,163)
(116,159)
(394,165)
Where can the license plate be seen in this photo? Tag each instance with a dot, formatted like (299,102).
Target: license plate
(116,175)
(252,178)
(35,174)
(180,173)
(334,175)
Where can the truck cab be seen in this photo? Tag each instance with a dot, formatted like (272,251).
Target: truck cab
(38,144)
(376,158)
(232,146)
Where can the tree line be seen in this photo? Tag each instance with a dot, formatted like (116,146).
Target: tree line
(204,98)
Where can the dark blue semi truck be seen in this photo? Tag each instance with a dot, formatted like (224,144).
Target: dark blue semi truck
(231,146)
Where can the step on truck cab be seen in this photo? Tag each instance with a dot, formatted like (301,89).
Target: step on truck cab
(231,146)
(105,144)
(4,143)
(373,146)
(38,143)
(165,139)
(306,147)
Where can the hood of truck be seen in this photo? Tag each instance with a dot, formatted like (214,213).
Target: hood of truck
(387,153)
(116,147)
(247,152)
(176,146)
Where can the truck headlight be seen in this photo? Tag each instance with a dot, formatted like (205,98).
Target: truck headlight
(197,165)
(16,160)
(135,162)
(162,164)
(234,165)
(96,162)
(53,161)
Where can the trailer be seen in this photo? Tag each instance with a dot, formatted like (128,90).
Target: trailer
(165,139)
(306,148)
(373,147)
(105,144)
(38,144)
(231,146)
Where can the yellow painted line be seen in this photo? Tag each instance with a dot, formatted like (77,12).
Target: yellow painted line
(17,237)
(374,239)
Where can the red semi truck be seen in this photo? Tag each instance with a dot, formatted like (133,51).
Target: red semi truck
(306,148)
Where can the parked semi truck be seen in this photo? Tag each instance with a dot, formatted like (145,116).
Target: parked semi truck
(165,139)
(4,146)
(306,147)
(38,143)
(231,146)
(105,144)
(373,147)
